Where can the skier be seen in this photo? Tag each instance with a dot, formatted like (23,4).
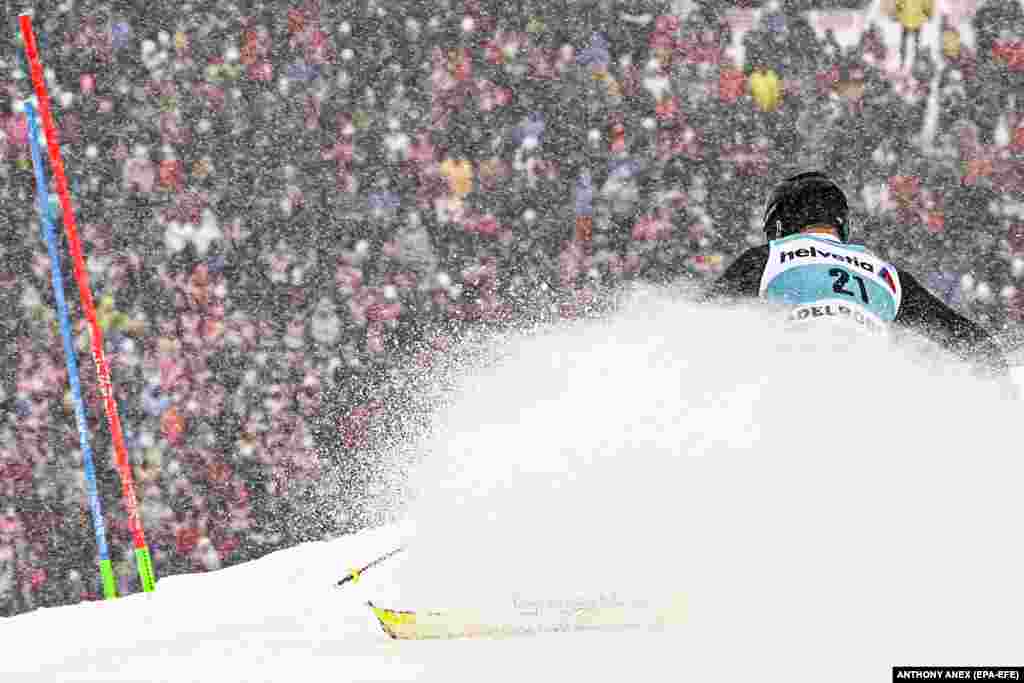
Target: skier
(810,267)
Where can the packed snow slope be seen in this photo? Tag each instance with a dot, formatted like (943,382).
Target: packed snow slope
(829,511)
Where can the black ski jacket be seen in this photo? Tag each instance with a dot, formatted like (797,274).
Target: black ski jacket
(920,311)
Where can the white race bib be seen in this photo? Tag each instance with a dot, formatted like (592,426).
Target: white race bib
(823,279)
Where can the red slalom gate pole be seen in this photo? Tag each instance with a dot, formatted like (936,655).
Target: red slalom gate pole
(142,555)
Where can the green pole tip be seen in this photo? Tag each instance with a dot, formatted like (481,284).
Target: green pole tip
(145,564)
(109,582)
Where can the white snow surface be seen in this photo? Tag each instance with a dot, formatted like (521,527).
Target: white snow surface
(828,511)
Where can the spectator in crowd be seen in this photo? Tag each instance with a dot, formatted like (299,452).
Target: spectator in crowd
(912,15)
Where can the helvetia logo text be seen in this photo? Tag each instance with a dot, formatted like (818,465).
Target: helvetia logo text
(812,252)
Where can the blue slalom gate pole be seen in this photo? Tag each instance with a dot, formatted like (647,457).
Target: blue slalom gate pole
(43,195)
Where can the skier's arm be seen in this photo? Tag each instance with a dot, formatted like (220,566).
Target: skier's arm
(742,279)
(924,313)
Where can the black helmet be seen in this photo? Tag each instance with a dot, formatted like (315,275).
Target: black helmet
(804,200)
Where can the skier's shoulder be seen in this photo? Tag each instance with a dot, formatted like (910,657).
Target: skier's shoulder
(742,277)
(910,284)
(753,258)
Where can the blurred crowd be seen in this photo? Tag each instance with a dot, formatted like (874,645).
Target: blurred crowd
(280,202)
